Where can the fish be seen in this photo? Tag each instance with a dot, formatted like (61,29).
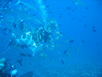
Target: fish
(14,25)
(85,26)
(71,41)
(4,29)
(68,8)
(60,16)
(65,52)
(22,54)
(47,6)
(29,55)
(94,30)
(82,41)
(62,61)
(20,62)
(86,8)
(93,27)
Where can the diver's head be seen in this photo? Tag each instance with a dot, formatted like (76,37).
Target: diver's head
(13,71)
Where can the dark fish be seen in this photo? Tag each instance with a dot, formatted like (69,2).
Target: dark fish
(29,55)
(20,62)
(22,54)
(28,74)
(85,26)
(68,8)
(47,6)
(60,16)
(72,10)
(71,41)
(4,29)
(94,30)
(93,27)
(82,41)
(14,25)
(62,61)
(86,8)
(34,15)
(65,52)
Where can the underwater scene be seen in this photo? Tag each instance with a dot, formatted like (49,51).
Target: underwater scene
(50,38)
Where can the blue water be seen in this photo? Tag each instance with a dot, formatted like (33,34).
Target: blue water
(76,53)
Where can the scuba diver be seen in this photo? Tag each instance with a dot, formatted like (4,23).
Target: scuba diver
(43,35)
(6,69)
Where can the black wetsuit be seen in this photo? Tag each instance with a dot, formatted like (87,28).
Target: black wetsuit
(5,72)
(44,35)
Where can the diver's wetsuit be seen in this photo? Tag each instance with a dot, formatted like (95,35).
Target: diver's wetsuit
(44,35)
(5,72)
